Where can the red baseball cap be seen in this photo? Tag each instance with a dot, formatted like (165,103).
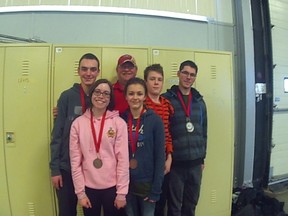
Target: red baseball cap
(126,58)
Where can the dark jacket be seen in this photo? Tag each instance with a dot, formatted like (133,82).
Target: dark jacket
(150,153)
(69,108)
(189,147)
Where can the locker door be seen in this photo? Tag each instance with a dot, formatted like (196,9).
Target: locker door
(26,121)
(215,83)
(110,57)
(170,61)
(66,60)
(4,196)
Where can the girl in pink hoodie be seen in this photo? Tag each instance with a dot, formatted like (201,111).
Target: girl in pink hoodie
(99,154)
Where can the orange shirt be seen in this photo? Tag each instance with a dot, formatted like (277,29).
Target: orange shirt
(164,109)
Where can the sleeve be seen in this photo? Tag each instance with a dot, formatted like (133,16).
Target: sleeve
(122,155)
(168,138)
(159,158)
(57,135)
(204,125)
(76,160)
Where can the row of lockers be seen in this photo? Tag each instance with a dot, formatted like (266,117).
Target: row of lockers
(32,78)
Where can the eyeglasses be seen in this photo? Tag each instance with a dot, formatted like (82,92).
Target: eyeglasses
(85,69)
(98,93)
(187,74)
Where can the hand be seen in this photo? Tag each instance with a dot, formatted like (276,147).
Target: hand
(149,200)
(85,202)
(119,203)
(202,166)
(168,163)
(57,181)
(55,112)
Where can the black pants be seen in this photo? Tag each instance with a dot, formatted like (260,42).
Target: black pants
(101,198)
(67,200)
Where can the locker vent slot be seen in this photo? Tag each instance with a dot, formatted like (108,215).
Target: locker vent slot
(213,70)
(31,209)
(76,68)
(213,196)
(174,69)
(25,67)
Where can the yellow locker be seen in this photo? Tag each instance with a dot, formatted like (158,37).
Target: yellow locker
(26,128)
(215,82)
(170,61)
(66,60)
(4,196)
(110,57)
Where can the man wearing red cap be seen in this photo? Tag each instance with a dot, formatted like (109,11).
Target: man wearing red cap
(126,69)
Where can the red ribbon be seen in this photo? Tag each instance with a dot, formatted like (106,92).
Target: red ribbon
(133,141)
(97,142)
(186,108)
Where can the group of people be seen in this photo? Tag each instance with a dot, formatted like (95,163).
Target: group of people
(125,148)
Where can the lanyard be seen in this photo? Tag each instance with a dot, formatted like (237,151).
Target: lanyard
(186,108)
(82,96)
(133,141)
(97,142)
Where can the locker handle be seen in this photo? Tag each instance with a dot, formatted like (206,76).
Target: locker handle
(10,137)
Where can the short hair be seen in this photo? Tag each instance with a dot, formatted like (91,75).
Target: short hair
(89,56)
(190,64)
(111,104)
(133,81)
(154,67)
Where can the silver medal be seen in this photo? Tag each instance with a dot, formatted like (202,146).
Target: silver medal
(189,126)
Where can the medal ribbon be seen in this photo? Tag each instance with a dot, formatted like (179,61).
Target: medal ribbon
(97,142)
(82,96)
(133,141)
(186,108)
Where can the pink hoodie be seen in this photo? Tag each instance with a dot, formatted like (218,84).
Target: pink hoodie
(113,152)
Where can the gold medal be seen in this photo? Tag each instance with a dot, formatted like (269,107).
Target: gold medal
(97,163)
(133,163)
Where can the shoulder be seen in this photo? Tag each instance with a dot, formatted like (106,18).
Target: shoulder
(152,116)
(75,89)
(170,93)
(115,117)
(196,94)
(167,104)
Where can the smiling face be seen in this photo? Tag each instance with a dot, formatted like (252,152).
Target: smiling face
(88,71)
(187,77)
(135,96)
(101,96)
(125,72)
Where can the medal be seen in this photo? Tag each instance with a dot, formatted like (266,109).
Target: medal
(189,126)
(133,163)
(97,163)
(187,110)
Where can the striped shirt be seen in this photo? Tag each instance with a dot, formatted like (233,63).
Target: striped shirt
(164,109)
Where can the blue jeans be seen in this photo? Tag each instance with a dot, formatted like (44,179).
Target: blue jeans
(184,190)
(136,206)
(160,205)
